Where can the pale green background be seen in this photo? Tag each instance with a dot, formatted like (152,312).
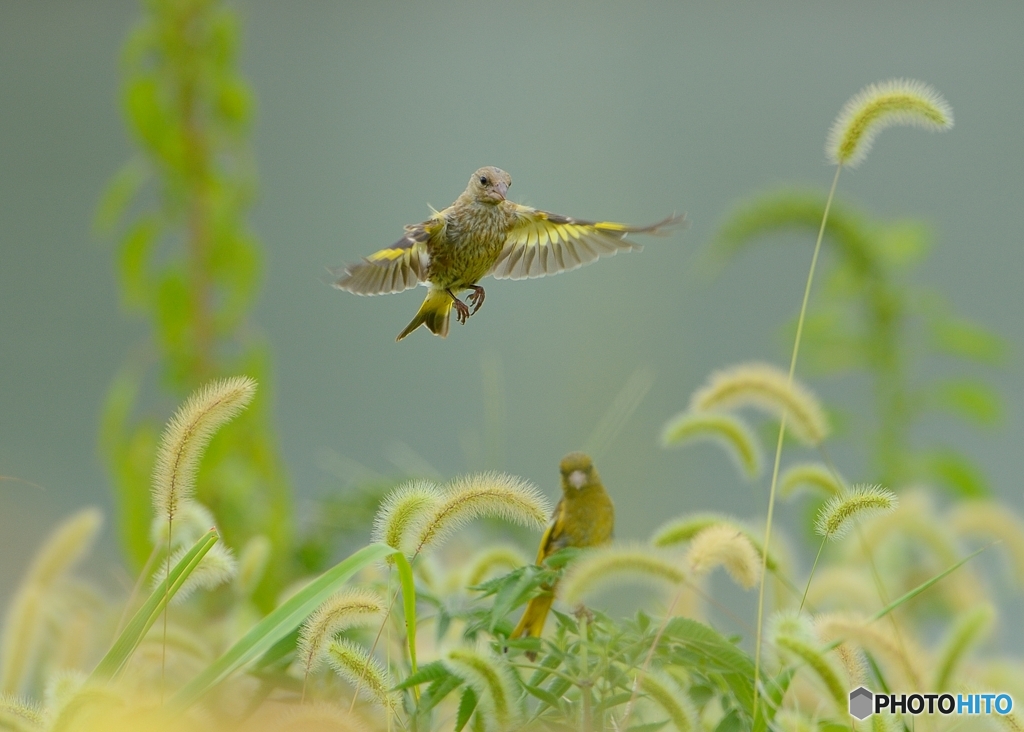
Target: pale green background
(367,112)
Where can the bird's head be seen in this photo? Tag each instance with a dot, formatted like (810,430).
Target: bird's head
(577,471)
(489,185)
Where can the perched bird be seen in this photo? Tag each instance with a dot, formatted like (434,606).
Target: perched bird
(483,234)
(584,517)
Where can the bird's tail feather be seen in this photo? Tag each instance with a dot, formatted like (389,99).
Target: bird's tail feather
(532,622)
(433,313)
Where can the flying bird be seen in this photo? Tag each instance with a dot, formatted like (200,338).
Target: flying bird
(482,234)
(584,517)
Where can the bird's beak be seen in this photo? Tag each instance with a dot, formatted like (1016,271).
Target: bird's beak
(501,188)
(577,479)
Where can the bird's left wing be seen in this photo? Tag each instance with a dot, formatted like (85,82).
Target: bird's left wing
(399,267)
(542,243)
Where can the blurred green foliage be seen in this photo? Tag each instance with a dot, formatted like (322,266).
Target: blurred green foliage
(189,265)
(872,317)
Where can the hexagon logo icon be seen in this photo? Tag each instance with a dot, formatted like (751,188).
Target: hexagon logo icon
(861,703)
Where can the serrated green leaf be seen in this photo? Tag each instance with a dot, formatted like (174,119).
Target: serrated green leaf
(431,672)
(437,691)
(466,706)
(546,697)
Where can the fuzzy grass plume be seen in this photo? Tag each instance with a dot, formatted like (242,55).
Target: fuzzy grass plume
(991,520)
(217,567)
(728,547)
(675,702)
(489,678)
(792,636)
(726,430)
(815,476)
(613,565)
(355,664)
(877,106)
(683,528)
(401,511)
(836,516)
(501,557)
(968,630)
(474,496)
(25,617)
(345,609)
(768,388)
(187,435)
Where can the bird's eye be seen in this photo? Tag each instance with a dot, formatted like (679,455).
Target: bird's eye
(483,180)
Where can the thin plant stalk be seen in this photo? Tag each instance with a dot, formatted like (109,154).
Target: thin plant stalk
(807,587)
(782,434)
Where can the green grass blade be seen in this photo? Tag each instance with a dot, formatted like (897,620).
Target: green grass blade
(277,625)
(123,648)
(924,586)
(409,606)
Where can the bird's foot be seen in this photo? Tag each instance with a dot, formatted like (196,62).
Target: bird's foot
(476,298)
(461,308)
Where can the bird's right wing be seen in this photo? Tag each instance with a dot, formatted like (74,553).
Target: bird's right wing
(550,542)
(542,243)
(399,267)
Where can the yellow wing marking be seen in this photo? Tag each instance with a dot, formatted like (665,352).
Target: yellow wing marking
(400,266)
(543,243)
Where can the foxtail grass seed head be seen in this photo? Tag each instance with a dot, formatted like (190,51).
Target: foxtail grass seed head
(836,516)
(401,511)
(665,693)
(991,520)
(904,102)
(503,557)
(217,567)
(728,547)
(19,714)
(601,568)
(345,609)
(485,494)
(682,529)
(489,677)
(354,663)
(969,629)
(252,564)
(187,435)
(190,524)
(23,622)
(814,476)
(726,430)
(765,387)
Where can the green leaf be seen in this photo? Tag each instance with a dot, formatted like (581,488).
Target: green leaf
(548,699)
(971,399)
(968,340)
(265,634)
(431,672)
(438,691)
(466,706)
(133,261)
(647,726)
(706,650)
(957,473)
(118,194)
(408,604)
(121,651)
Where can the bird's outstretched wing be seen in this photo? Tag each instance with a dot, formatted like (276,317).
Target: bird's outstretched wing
(399,267)
(543,243)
